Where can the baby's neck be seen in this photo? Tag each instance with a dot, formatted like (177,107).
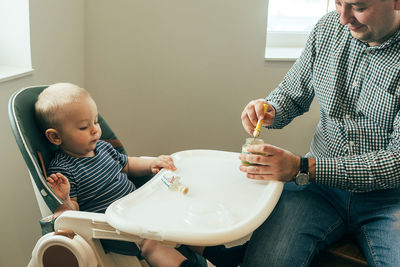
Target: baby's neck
(76,155)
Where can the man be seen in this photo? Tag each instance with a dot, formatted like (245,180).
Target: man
(349,182)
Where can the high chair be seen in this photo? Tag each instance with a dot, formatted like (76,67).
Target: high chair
(77,234)
(229,210)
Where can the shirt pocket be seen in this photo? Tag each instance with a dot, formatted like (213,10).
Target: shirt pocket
(379,99)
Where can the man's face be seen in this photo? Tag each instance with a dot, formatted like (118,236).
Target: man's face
(371,21)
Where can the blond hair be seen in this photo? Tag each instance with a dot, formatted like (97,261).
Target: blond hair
(53,99)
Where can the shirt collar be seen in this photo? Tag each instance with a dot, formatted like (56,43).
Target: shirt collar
(392,40)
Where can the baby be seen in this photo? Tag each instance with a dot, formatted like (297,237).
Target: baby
(88,174)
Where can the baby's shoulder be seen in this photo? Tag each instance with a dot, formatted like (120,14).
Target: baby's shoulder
(61,162)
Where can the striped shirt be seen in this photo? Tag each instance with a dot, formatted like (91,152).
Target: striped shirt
(357,140)
(96,181)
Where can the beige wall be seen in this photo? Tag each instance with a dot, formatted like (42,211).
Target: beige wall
(57,32)
(175,75)
(167,75)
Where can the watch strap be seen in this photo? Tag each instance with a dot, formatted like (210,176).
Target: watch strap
(303,165)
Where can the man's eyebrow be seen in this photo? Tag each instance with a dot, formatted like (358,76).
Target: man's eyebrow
(355,4)
(358,4)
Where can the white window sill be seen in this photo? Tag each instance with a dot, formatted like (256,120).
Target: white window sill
(282,53)
(9,73)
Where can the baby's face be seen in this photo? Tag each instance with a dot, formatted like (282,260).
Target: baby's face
(80,130)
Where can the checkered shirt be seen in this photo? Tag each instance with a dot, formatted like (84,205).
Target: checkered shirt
(357,140)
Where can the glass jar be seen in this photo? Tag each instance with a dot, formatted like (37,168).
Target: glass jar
(250,141)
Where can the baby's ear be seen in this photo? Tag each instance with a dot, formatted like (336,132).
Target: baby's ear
(53,136)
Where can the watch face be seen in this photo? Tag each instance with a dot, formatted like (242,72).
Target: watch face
(302,178)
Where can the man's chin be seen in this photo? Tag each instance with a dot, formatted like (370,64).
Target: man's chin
(359,36)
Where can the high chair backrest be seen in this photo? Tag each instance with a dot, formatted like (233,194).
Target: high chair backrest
(32,142)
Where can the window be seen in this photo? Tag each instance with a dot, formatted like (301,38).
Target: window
(15,52)
(289,23)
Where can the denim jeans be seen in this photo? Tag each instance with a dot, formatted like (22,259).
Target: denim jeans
(308,219)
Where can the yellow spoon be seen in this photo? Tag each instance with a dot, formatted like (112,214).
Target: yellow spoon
(257,130)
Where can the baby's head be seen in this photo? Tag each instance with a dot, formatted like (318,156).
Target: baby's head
(68,117)
(54,100)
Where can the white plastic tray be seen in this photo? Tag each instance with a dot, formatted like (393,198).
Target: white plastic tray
(222,205)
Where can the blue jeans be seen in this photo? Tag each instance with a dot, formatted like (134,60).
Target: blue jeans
(308,219)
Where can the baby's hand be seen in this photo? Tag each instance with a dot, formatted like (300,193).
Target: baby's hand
(60,185)
(162,162)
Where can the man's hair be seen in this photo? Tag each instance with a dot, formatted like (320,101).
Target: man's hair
(52,100)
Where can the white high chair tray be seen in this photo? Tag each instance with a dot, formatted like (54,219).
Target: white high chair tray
(222,205)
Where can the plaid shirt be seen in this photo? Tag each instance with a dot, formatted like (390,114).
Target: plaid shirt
(357,141)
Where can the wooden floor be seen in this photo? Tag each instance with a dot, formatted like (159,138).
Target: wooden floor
(345,253)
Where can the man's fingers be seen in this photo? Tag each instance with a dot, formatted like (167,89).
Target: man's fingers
(259,108)
(255,169)
(251,113)
(263,177)
(265,149)
(248,127)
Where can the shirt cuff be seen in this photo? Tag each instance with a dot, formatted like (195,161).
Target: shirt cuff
(328,171)
(279,119)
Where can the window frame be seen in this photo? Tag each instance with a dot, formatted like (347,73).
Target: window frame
(287,45)
(15,47)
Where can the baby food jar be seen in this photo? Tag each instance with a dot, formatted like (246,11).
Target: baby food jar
(249,142)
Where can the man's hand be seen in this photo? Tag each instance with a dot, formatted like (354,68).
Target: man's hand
(274,163)
(253,112)
(60,185)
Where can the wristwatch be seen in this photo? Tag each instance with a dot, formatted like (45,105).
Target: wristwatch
(303,177)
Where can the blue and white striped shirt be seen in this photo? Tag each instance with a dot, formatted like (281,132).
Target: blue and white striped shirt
(96,181)
(357,140)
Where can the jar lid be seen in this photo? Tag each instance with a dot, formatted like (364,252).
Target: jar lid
(252,141)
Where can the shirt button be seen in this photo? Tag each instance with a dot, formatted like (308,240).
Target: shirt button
(351,143)
(355,84)
(367,51)
(347,116)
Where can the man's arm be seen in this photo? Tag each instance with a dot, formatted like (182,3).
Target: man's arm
(359,173)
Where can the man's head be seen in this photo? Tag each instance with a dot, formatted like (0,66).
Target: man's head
(371,21)
(68,116)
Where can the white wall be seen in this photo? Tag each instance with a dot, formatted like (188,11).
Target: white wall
(167,75)
(57,32)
